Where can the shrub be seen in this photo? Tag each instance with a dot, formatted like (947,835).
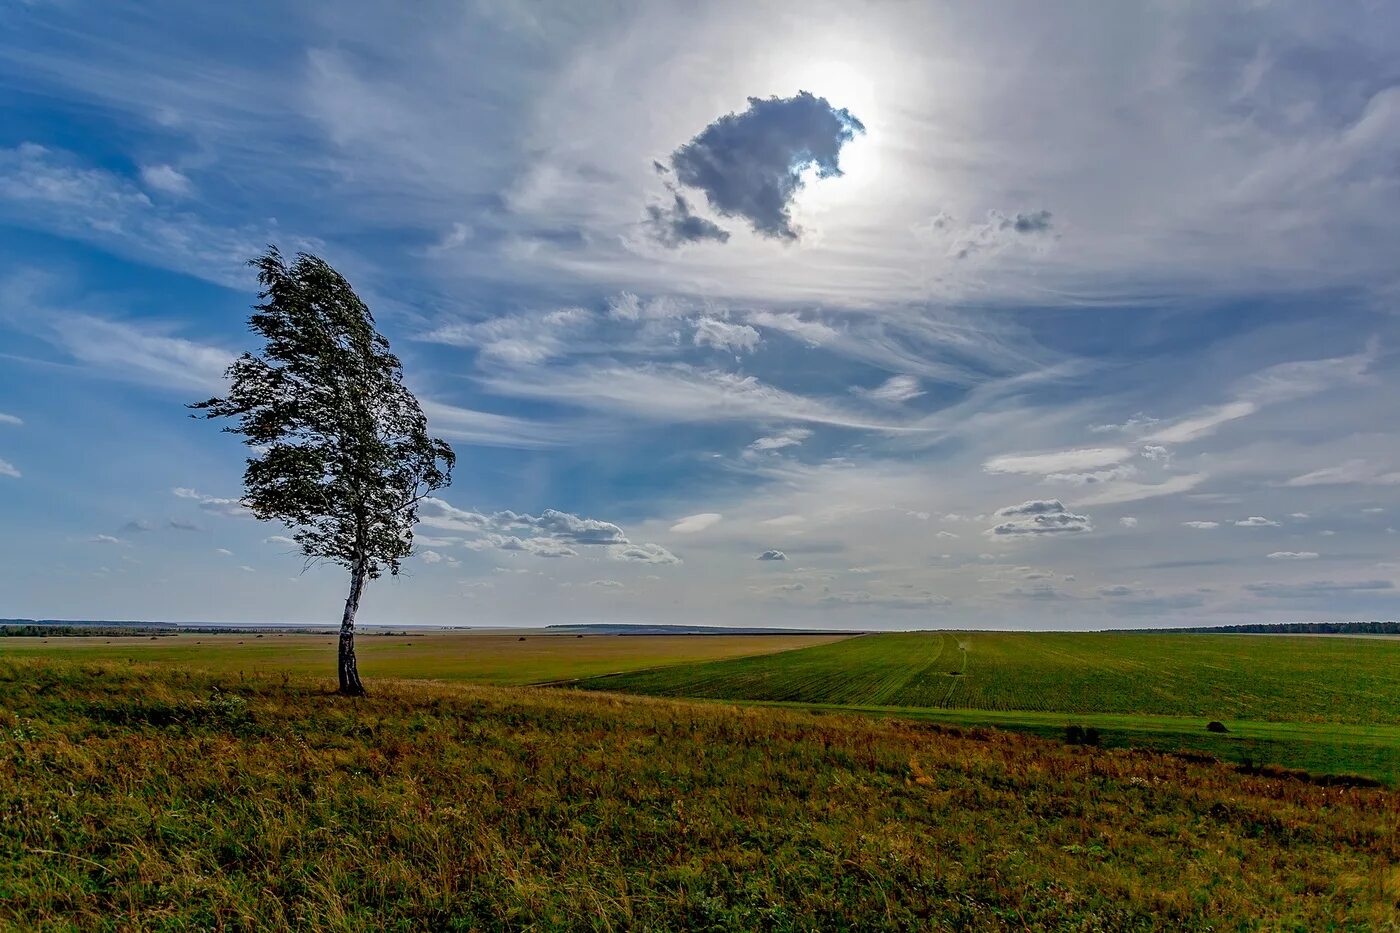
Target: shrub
(1216,725)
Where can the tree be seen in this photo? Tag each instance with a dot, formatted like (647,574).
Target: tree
(343,455)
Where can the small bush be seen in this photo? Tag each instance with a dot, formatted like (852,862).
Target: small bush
(1216,725)
(1079,735)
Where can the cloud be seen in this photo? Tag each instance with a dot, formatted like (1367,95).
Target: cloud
(52,190)
(1039,517)
(643,553)
(9,469)
(679,393)
(999,231)
(519,339)
(166,180)
(1204,423)
(430,557)
(722,335)
(1319,589)
(814,333)
(539,547)
(751,164)
(14,420)
(552,533)
(1201,525)
(1136,424)
(137,526)
(1128,521)
(1256,521)
(230,508)
(676,224)
(489,429)
(457,236)
(1293,555)
(606,584)
(699,522)
(1134,492)
(282,540)
(1281,383)
(106,539)
(772,555)
(792,437)
(1058,461)
(176,524)
(893,391)
(1359,472)
(865,598)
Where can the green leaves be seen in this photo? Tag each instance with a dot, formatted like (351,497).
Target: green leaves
(342,451)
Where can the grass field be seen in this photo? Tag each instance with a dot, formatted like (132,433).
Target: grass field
(150,798)
(1322,704)
(493,657)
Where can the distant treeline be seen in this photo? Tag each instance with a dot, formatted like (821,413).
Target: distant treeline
(1296,628)
(39,630)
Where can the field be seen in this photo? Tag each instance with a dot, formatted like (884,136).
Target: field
(483,656)
(1321,704)
(143,797)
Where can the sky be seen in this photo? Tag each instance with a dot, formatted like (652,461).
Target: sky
(882,315)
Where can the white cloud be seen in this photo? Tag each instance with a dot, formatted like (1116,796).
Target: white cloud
(1059,461)
(1293,555)
(772,555)
(280,539)
(1134,492)
(1136,424)
(231,508)
(643,553)
(1201,525)
(813,333)
(167,180)
(694,523)
(519,339)
(1256,521)
(1039,517)
(892,391)
(106,539)
(722,335)
(1204,423)
(494,430)
(792,437)
(430,557)
(9,469)
(1360,472)
(14,420)
(1128,521)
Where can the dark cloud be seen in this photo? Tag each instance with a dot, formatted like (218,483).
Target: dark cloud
(677,225)
(750,164)
(772,555)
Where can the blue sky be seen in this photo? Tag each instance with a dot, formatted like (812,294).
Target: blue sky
(1026,318)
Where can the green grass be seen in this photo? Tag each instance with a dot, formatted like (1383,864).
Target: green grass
(1321,704)
(494,657)
(148,798)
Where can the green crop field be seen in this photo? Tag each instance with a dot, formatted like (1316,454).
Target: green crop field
(482,656)
(145,797)
(1322,704)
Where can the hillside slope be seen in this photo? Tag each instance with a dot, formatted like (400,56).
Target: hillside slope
(142,798)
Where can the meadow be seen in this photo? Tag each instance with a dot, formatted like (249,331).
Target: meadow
(147,797)
(1321,704)
(488,656)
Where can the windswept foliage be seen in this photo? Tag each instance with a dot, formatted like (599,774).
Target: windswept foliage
(342,451)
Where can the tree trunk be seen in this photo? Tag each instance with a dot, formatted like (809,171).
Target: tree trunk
(349,674)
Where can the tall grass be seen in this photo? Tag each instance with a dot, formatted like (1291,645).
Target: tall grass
(148,799)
